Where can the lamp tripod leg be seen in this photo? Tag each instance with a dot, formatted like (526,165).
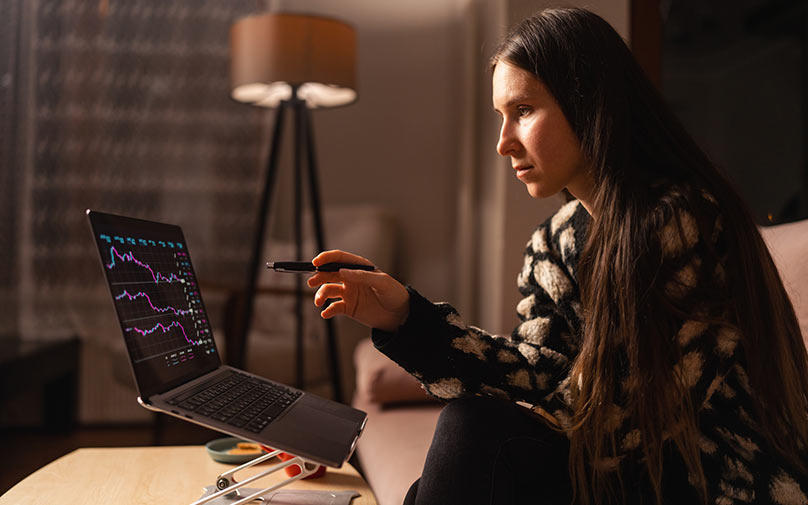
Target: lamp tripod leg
(239,354)
(331,333)
(298,107)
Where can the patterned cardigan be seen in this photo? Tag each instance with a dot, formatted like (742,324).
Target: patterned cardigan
(533,365)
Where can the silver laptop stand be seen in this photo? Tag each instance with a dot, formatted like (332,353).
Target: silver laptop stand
(228,487)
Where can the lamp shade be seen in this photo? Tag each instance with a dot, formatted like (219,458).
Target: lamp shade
(272,54)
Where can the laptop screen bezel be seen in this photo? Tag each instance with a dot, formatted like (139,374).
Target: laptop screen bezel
(147,386)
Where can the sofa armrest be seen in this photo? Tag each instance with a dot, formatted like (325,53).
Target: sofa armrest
(379,380)
(788,244)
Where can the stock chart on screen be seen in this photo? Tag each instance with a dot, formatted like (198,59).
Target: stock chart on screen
(157,298)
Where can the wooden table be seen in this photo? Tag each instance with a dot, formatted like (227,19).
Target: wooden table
(153,475)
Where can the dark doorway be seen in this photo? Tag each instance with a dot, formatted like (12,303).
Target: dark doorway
(736,74)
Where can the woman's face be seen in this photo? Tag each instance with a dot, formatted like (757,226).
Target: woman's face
(544,151)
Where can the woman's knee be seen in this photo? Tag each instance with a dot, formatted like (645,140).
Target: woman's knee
(473,415)
(466,441)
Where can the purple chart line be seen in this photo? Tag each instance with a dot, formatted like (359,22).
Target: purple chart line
(130,257)
(141,294)
(165,329)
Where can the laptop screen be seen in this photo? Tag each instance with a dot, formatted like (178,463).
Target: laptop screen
(156,295)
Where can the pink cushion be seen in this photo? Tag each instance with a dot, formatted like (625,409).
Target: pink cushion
(788,244)
(380,380)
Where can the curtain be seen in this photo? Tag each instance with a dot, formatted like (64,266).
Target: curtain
(119,106)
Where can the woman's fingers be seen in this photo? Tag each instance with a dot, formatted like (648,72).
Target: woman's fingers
(334,309)
(327,291)
(338,256)
(321,278)
(333,256)
(375,279)
(372,279)
(371,297)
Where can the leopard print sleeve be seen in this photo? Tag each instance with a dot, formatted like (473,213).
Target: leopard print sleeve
(453,359)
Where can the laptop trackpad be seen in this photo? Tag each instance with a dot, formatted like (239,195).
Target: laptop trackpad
(323,424)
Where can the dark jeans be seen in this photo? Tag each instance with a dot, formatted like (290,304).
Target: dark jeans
(489,451)
(492,452)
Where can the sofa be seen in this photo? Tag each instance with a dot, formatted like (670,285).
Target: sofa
(402,418)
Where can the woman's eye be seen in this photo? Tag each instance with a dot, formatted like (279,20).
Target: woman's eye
(523,111)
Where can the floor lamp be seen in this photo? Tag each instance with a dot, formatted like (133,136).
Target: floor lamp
(292,63)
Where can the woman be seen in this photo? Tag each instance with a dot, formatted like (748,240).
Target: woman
(658,351)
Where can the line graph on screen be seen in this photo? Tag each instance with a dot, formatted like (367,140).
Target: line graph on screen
(157,299)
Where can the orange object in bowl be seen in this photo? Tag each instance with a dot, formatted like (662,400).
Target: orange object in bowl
(245,448)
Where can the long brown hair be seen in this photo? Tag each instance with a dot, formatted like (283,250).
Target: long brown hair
(634,144)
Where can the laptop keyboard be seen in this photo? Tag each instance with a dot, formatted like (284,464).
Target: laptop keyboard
(240,400)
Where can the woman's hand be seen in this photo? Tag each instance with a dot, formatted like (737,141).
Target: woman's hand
(373,298)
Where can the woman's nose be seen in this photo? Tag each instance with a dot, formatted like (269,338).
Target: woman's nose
(507,143)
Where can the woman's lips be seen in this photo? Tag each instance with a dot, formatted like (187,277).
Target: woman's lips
(521,171)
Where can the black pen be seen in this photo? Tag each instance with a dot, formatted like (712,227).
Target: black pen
(303,266)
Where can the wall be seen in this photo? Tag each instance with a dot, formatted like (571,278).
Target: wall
(398,145)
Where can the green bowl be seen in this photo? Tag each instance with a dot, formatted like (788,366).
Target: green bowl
(218,451)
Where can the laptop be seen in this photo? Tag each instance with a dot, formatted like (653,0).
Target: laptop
(176,365)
